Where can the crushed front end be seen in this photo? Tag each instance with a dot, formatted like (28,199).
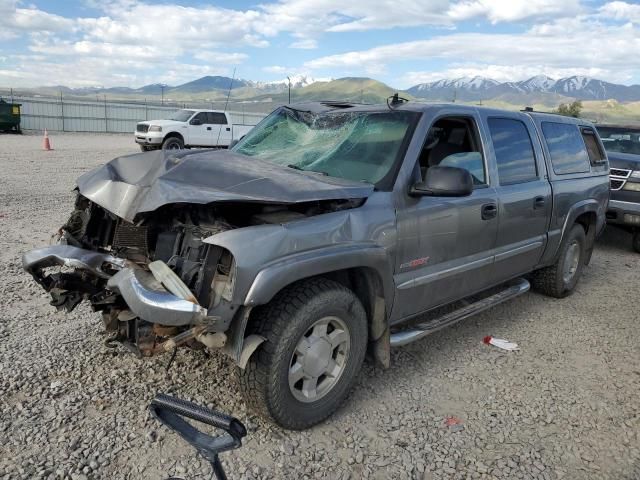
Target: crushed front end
(156,283)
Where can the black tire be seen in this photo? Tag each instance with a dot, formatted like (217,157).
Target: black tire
(635,240)
(283,322)
(144,148)
(172,143)
(555,280)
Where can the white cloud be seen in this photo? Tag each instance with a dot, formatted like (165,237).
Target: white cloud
(275,69)
(14,20)
(311,17)
(305,44)
(137,23)
(590,46)
(140,39)
(221,57)
(621,11)
(512,10)
(99,71)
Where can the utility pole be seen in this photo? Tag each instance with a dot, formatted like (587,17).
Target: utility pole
(62,110)
(289,90)
(162,86)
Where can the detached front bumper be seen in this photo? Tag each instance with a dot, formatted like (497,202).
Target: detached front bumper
(149,300)
(144,295)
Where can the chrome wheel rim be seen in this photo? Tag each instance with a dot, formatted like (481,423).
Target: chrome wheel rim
(173,146)
(571,261)
(319,359)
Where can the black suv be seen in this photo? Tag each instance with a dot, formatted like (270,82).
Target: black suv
(622,144)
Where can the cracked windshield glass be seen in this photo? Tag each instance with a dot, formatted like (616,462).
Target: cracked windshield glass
(359,146)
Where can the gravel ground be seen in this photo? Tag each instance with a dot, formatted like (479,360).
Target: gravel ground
(564,406)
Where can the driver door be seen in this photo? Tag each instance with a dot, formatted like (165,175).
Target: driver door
(200,134)
(446,244)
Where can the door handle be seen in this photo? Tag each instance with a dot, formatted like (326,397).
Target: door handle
(538,202)
(208,128)
(489,210)
(228,129)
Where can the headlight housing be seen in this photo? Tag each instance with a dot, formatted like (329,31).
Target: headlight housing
(155,128)
(633,186)
(635,174)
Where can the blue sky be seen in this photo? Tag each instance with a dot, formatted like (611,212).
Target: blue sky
(401,42)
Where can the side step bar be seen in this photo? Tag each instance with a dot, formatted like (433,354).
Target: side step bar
(421,330)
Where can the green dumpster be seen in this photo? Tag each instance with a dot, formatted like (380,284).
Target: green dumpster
(9,116)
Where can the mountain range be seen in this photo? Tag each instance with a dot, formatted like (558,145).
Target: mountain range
(539,89)
(481,88)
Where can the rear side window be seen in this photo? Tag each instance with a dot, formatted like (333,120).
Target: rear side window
(566,148)
(217,118)
(514,151)
(596,155)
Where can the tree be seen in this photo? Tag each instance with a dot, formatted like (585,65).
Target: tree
(570,109)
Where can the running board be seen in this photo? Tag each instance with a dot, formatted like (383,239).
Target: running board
(416,332)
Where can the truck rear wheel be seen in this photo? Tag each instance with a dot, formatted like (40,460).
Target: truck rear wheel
(560,279)
(172,143)
(316,339)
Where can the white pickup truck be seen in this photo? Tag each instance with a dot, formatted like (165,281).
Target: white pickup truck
(190,128)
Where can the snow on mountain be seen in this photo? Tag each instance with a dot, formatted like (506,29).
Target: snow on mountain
(477,88)
(472,83)
(539,83)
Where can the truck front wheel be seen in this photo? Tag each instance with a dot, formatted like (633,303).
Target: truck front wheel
(316,338)
(560,279)
(172,143)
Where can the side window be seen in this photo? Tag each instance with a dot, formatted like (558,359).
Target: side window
(514,151)
(566,148)
(596,155)
(202,116)
(217,118)
(454,142)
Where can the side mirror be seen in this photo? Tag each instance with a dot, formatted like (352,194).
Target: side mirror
(195,121)
(233,143)
(444,182)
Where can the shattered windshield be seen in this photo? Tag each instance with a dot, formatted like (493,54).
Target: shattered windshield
(182,115)
(359,146)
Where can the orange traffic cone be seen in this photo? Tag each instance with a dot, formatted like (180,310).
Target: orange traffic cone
(46,144)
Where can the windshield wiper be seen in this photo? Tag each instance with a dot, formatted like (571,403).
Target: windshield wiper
(296,109)
(298,167)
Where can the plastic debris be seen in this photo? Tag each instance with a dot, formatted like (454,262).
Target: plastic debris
(500,343)
(448,421)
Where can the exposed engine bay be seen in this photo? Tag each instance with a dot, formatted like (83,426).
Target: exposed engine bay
(156,282)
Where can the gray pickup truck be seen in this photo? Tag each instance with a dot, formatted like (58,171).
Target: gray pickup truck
(622,144)
(329,230)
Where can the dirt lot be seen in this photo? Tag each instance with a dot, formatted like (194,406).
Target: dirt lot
(565,406)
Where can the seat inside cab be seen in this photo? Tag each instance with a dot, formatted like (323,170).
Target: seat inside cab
(454,142)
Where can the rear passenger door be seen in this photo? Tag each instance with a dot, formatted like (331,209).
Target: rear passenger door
(524,195)
(222,130)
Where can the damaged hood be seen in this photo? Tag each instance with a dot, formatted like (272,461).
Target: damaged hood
(144,182)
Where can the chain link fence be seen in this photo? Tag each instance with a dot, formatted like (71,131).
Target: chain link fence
(73,114)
